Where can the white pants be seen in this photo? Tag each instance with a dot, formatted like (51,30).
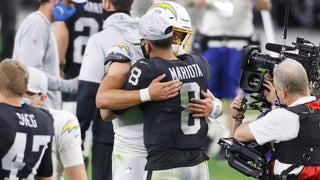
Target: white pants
(129,167)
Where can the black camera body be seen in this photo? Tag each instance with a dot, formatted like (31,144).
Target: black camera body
(255,67)
(248,158)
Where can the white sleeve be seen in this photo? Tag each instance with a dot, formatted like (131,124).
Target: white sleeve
(92,68)
(278,125)
(69,139)
(63,85)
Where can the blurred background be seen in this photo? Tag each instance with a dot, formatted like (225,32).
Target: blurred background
(304,22)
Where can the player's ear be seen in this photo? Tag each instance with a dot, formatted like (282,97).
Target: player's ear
(147,46)
(42,99)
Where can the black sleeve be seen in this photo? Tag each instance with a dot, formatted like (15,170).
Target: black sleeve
(45,168)
(136,80)
(204,64)
(141,75)
(86,104)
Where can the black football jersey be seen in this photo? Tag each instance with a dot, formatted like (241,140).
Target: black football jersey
(169,123)
(173,138)
(25,142)
(85,22)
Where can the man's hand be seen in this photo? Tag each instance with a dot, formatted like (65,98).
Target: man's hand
(201,107)
(264,5)
(236,106)
(270,91)
(159,91)
(107,115)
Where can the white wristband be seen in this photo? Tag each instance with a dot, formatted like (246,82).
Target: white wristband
(217,109)
(144,95)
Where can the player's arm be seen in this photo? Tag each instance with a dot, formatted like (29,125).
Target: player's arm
(77,172)
(120,99)
(111,96)
(107,115)
(110,85)
(69,147)
(209,106)
(62,35)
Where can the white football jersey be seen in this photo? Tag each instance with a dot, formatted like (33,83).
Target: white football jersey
(66,144)
(129,153)
(128,127)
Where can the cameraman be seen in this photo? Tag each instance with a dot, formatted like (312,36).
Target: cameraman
(281,126)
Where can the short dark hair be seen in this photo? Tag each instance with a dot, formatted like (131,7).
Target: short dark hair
(122,5)
(43,1)
(164,43)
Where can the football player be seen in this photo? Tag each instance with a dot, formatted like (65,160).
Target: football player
(26,132)
(66,145)
(110,96)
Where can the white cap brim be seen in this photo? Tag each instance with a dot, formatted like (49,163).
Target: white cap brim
(79,1)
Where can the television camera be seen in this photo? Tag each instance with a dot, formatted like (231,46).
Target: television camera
(258,67)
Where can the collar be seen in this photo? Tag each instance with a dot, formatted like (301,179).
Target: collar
(303,100)
(44,17)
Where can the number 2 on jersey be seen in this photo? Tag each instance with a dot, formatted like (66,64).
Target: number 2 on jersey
(81,41)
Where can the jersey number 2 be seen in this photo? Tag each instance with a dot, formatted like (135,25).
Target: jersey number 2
(81,41)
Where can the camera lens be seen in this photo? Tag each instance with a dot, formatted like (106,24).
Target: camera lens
(254,81)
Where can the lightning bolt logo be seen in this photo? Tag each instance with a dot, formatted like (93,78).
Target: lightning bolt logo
(61,10)
(70,125)
(166,6)
(126,48)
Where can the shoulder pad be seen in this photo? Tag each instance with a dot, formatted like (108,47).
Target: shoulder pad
(122,52)
(116,57)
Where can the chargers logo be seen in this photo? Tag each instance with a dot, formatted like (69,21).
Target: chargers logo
(61,10)
(70,125)
(126,48)
(165,6)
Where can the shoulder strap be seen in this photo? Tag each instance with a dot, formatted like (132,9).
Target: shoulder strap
(298,109)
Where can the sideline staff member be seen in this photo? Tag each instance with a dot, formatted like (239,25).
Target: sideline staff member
(282,125)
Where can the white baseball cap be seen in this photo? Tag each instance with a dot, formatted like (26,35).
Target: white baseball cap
(154,27)
(38,82)
(79,1)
